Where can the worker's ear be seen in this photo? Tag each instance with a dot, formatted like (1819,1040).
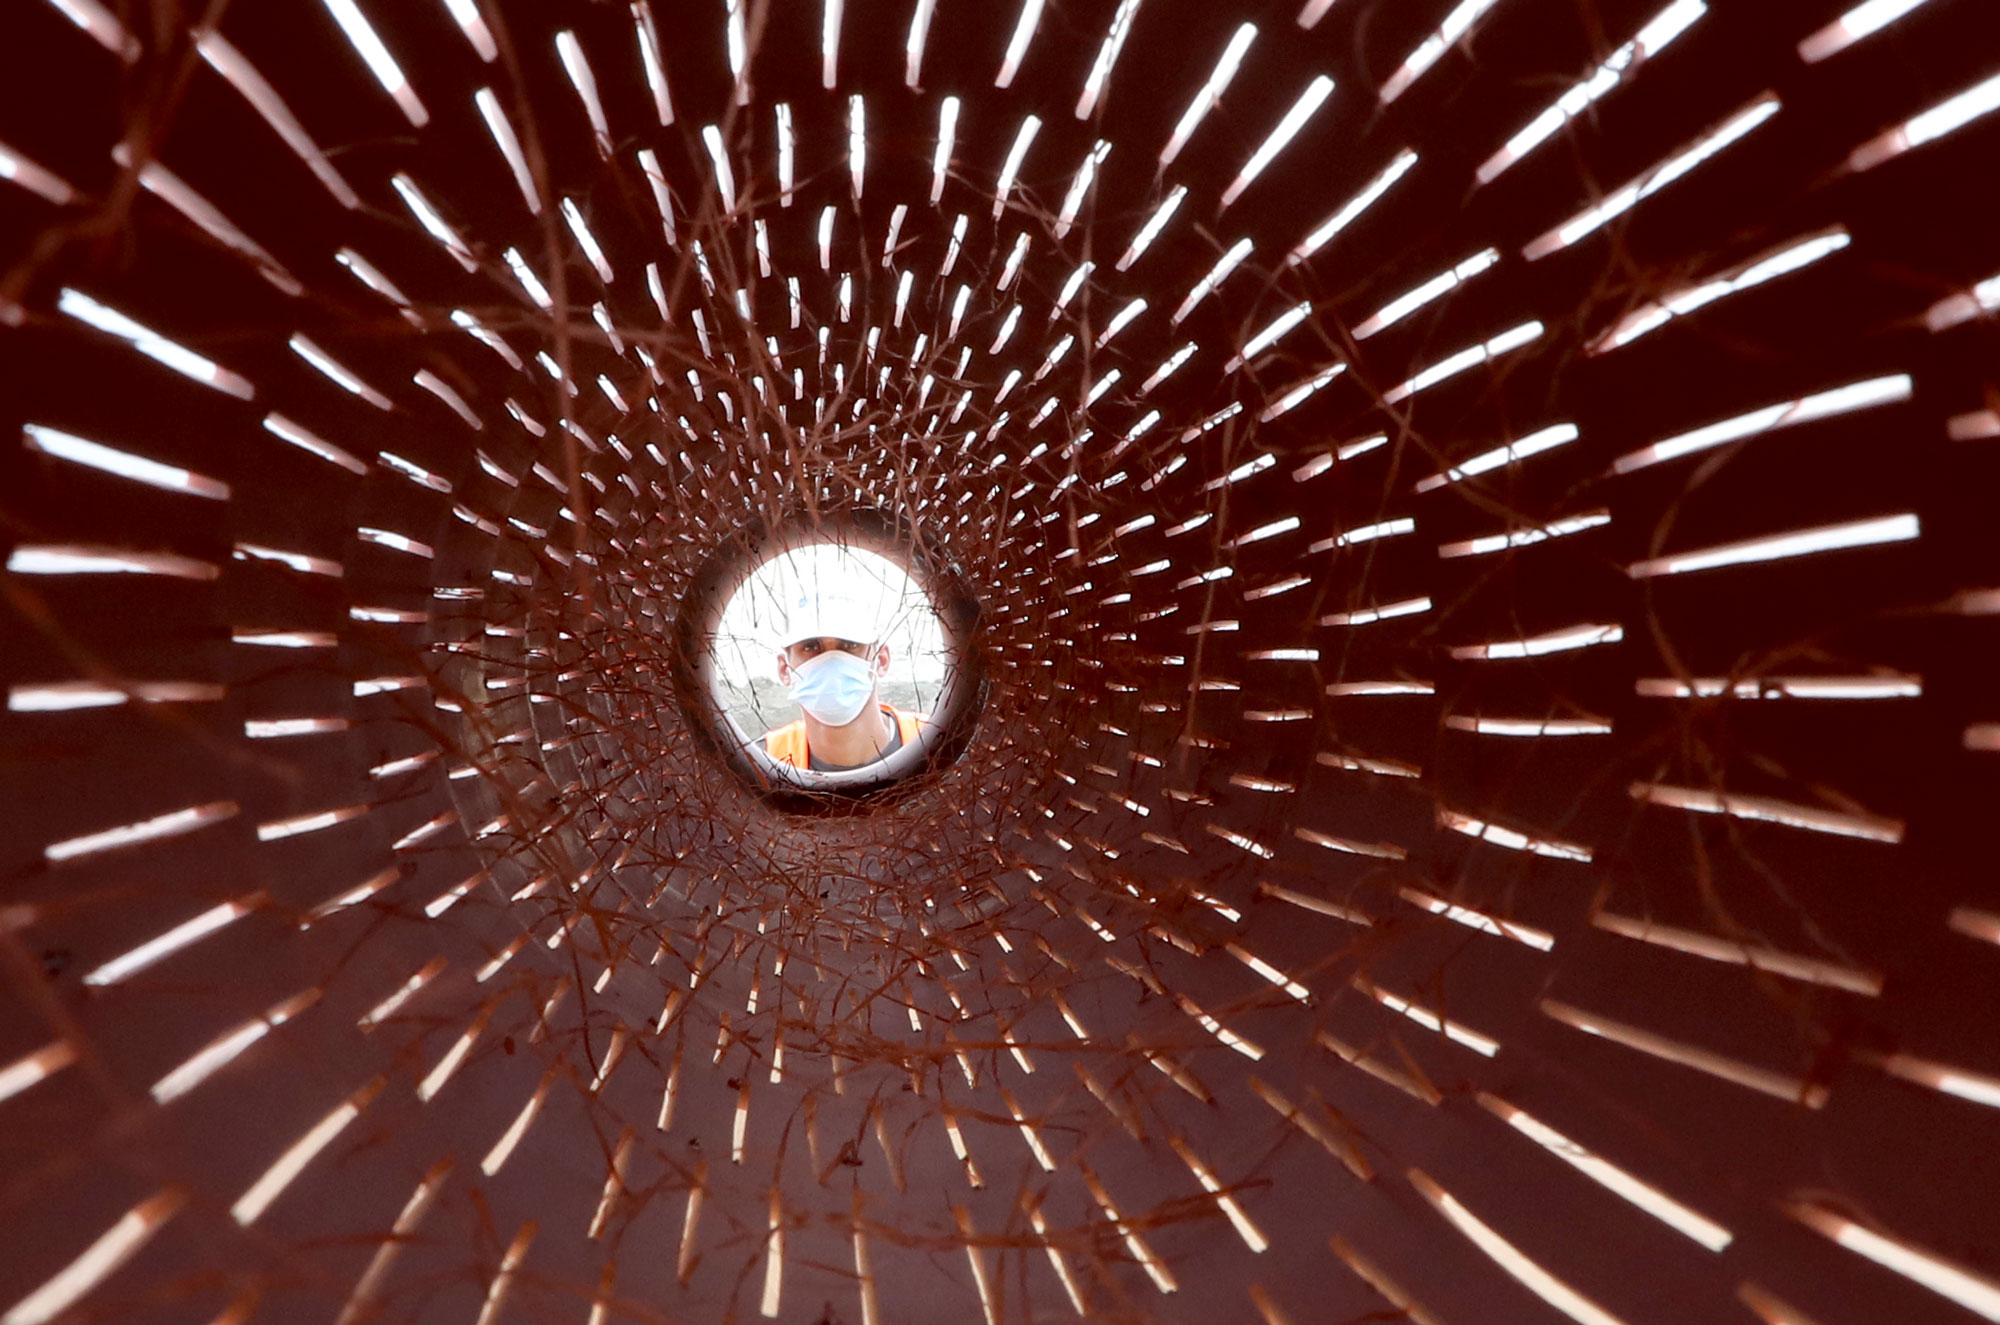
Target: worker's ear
(881,660)
(784,670)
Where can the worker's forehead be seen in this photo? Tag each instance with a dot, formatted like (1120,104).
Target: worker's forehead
(828,642)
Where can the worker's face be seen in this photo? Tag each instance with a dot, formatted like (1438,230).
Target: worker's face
(797,655)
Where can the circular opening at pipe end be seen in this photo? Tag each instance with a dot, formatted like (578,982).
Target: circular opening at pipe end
(830,664)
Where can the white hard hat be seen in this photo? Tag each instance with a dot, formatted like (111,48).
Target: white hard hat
(816,613)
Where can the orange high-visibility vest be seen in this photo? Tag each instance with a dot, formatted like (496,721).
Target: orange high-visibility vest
(787,744)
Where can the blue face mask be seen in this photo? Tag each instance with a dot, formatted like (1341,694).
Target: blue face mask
(834,687)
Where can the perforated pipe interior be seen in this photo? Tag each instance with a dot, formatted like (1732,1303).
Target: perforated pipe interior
(1480,514)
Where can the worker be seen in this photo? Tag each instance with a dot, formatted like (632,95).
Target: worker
(831,663)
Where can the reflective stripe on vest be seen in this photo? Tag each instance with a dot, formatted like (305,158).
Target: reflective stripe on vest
(787,744)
